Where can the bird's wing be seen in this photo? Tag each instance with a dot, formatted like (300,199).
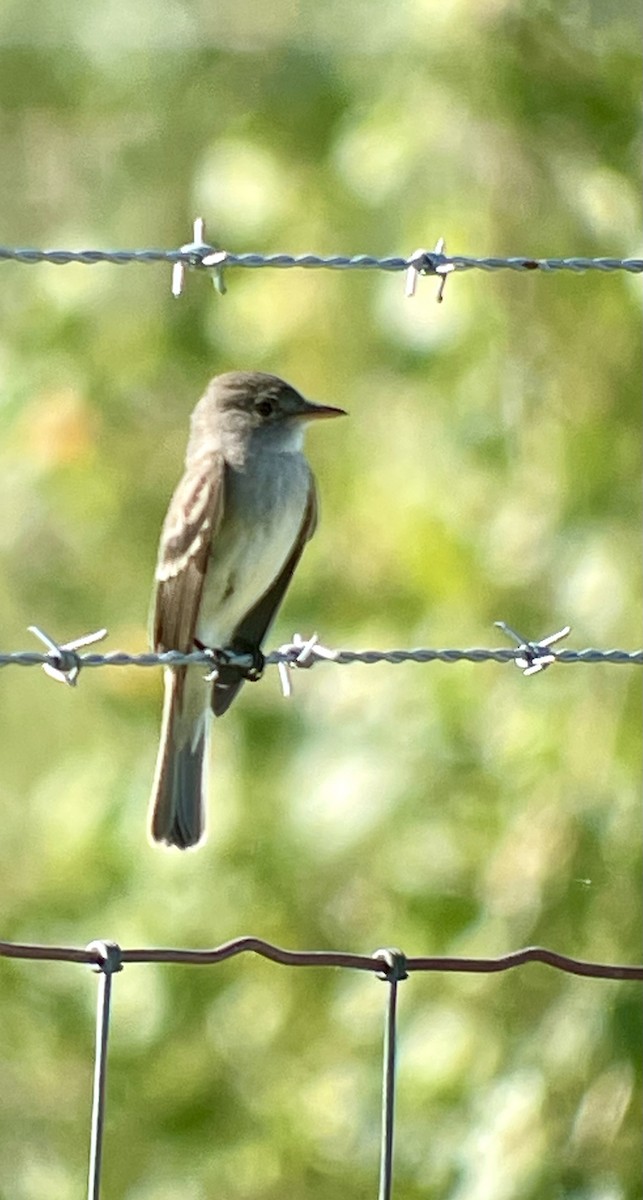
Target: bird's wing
(193,520)
(251,631)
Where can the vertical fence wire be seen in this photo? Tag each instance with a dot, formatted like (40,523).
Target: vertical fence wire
(395,971)
(108,960)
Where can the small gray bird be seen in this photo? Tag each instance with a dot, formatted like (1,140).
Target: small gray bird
(233,535)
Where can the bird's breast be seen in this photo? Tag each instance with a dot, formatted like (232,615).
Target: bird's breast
(264,508)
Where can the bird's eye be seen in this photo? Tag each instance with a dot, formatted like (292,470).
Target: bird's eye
(264,408)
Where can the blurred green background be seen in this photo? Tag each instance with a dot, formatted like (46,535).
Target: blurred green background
(490,469)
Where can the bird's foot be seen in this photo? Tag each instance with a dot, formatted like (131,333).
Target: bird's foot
(226,671)
(256,668)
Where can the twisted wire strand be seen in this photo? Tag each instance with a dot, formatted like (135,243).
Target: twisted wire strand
(174,658)
(432,263)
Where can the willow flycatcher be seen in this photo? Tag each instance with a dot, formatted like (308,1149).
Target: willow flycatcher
(233,535)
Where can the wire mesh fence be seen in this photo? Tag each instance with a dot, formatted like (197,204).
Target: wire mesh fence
(389,964)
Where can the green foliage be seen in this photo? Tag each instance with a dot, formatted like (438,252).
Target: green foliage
(489,469)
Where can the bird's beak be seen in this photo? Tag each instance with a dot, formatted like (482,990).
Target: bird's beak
(318,412)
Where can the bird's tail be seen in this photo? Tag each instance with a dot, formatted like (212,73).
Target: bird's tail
(178,795)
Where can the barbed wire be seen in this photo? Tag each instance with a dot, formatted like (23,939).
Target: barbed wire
(63,662)
(289,657)
(30,255)
(391,965)
(206,256)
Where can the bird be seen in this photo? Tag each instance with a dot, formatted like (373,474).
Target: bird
(233,535)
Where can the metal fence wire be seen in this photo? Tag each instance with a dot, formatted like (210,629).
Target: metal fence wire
(64,661)
(390,965)
(205,256)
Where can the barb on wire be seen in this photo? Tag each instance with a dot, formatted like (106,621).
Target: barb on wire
(199,253)
(429,262)
(534,656)
(63,662)
(301,653)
